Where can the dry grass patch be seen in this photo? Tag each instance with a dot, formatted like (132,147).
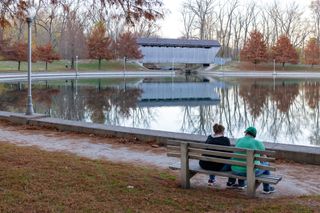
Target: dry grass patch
(37,181)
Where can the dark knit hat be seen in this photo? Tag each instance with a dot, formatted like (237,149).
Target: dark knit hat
(251,131)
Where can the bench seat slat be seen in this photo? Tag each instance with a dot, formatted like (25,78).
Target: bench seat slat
(174,154)
(269,179)
(270,168)
(197,169)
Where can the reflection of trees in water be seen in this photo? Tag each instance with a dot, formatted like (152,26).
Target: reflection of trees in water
(68,104)
(256,97)
(312,95)
(198,119)
(278,111)
(284,96)
(273,112)
(14,99)
(110,103)
(142,117)
(72,103)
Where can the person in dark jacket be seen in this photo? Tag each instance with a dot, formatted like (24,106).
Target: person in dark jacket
(217,138)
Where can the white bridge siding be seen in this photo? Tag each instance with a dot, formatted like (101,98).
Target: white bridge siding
(178,91)
(183,55)
(181,51)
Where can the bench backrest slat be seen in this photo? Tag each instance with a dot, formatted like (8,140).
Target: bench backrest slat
(217,153)
(217,160)
(206,146)
(196,151)
(265,152)
(216,147)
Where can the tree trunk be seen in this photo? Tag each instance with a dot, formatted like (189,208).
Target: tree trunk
(46,66)
(99,63)
(283,65)
(19,63)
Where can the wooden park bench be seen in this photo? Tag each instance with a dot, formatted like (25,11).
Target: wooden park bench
(187,151)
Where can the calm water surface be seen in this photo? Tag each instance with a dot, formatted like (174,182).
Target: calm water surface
(283,110)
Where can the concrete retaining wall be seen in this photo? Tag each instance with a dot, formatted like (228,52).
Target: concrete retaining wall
(300,154)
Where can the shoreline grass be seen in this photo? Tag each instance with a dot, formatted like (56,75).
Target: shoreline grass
(38,181)
(247,66)
(84,65)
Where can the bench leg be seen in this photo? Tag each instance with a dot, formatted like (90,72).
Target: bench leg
(251,190)
(185,179)
(251,177)
(185,174)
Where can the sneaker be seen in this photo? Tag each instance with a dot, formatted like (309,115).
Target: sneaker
(230,185)
(211,182)
(271,190)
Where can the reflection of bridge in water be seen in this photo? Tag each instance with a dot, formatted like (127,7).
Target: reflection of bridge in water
(178,94)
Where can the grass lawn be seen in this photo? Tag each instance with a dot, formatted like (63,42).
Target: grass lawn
(84,65)
(39,181)
(246,66)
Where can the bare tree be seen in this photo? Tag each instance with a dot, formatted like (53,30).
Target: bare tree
(315,8)
(46,15)
(201,9)
(72,40)
(188,19)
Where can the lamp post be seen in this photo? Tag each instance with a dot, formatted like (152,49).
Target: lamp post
(124,71)
(30,14)
(77,58)
(274,66)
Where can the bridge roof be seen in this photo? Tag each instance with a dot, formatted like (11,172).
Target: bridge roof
(165,42)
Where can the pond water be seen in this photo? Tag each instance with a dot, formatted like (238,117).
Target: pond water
(282,110)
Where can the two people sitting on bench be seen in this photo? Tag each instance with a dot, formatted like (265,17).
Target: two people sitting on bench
(217,138)
(249,142)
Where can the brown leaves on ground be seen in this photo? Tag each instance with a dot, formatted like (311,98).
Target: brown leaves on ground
(131,141)
(37,181)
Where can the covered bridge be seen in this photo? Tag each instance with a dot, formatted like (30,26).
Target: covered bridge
(184,51)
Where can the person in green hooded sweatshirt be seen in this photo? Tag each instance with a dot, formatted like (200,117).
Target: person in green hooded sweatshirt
(249,142)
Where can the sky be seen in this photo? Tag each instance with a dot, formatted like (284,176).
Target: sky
(172,27)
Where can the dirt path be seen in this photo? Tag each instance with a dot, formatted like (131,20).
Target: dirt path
(298,179)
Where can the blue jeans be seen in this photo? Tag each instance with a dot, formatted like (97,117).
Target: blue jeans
(266,186)
(225,168)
